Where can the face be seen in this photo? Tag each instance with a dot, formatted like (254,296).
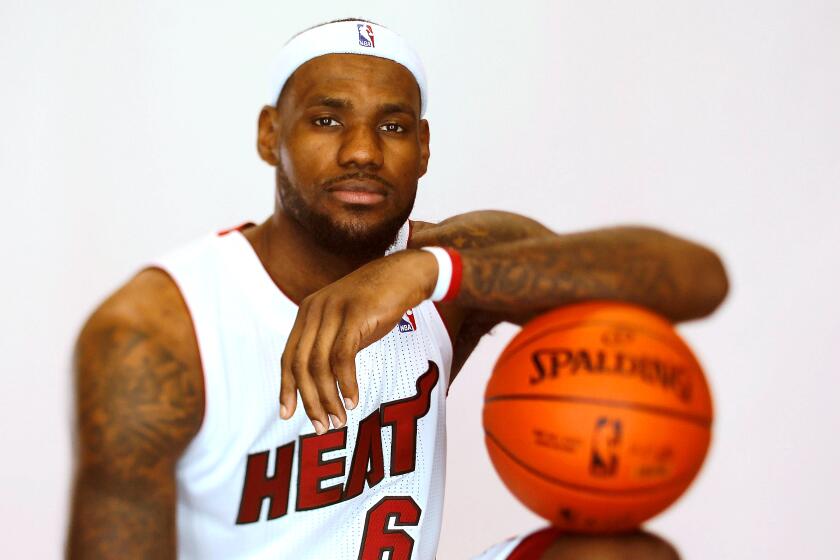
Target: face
(349,148)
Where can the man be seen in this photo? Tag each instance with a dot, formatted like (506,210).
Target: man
(181,449)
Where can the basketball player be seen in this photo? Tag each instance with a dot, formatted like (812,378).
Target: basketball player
(342,303)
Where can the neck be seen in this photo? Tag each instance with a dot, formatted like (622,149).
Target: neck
(297,264)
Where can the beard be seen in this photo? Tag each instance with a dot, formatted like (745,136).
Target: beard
(353,239)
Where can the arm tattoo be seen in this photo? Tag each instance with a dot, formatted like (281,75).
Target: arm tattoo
(481,229)
(516,267)
(638,266)
(138,407)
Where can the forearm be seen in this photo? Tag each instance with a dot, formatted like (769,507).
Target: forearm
(677,278)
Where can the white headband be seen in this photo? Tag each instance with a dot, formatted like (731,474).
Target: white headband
(347,37)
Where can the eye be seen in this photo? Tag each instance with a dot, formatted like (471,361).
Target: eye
(326,122)
(392,127)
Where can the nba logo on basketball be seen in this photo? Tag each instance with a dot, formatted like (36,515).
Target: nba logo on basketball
(365,35)
(606,438)
(408,323)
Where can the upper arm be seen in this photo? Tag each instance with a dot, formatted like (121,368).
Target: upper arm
(139,401)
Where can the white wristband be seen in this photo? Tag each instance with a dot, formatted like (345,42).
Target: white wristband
(444,278)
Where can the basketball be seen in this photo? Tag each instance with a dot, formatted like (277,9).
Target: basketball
(597,416)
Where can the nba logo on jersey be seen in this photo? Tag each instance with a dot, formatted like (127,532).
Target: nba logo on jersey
(408,323)
(365,35)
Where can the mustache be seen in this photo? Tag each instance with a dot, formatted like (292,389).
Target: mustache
(357,175)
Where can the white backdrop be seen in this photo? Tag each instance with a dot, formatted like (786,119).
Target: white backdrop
(127,128)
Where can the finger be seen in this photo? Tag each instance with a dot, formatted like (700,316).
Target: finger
(343,361)
(288,385)
(312,405)
(332,318)
(288,391)
(309,393)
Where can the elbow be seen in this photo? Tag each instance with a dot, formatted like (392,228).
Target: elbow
(699,272)
(709,286)
(716,282)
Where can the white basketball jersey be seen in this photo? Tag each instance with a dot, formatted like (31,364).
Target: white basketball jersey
(251,485)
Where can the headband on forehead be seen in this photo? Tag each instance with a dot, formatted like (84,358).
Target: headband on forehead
(347,37)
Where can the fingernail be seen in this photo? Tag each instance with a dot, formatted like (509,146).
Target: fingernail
(284,412)
(336,422)
(348,404)
(319,428)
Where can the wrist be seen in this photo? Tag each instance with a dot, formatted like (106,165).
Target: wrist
(423,267)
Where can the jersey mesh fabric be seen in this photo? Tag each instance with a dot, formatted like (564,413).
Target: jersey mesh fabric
(242,321)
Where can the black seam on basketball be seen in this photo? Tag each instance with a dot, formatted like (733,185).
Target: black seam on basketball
(701,421)
(683,349)
(582,487)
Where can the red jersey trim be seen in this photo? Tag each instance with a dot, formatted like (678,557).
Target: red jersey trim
(535,544)
(446,324)
(240,227)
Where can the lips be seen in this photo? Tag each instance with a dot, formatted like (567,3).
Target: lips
(358,192)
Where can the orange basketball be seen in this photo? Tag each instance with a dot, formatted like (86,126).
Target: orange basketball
(597,416)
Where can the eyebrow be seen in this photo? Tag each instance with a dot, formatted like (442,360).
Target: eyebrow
(388,108)
(334,102)
(342,103)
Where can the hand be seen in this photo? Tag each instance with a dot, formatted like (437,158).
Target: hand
(338,321)
(639,545)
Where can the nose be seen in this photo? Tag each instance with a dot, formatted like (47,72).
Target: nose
(360,148)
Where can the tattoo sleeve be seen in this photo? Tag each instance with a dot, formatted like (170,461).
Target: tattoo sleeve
(138,405)
(514,267)
(674,277)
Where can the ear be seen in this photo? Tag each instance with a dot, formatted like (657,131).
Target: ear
(268,131)
(424,146)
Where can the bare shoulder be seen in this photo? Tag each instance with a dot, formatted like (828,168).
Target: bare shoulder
(139,383)
(477,229)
